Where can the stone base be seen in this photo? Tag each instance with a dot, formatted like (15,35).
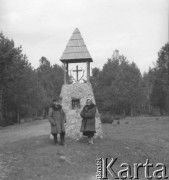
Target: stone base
(79,91)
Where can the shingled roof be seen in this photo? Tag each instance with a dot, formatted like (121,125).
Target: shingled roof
(76,50)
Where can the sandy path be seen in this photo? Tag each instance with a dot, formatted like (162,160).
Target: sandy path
(24,131)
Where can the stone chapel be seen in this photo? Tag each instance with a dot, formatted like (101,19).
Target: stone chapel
(74,95)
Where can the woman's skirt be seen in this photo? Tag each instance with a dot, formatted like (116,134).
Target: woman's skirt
(89,133)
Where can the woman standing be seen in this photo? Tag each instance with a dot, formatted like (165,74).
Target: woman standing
(88,122)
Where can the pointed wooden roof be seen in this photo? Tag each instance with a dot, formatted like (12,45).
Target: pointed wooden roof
(76,50)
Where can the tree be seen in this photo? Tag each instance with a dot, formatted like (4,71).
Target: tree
(44,62)
(97,87)
(148,80)
(18,88)
(118,87)
(25,92)
(8,54)
(22,95)
(160,90)
(50,79)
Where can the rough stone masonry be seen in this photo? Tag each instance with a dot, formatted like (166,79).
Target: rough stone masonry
(78,91)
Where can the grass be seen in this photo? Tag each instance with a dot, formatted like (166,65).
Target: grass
(133,141)
(107,118)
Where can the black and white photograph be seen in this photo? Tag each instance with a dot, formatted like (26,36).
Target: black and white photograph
(84,89)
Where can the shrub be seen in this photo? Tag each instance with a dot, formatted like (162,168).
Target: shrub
(117,117)
(107,118)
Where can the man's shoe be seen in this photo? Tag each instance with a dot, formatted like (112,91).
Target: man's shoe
(55,139)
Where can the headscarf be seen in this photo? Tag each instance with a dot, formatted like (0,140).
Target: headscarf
(87,107)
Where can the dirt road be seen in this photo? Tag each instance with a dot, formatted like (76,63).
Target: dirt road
(24,131)
(17,142)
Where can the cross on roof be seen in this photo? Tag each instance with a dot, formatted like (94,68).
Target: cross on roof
(77,73)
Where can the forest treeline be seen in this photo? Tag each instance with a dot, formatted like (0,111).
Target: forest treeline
(119,87)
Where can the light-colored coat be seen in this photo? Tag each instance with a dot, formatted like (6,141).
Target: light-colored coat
(57,119)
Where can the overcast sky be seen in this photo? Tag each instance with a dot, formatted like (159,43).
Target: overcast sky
(137,28)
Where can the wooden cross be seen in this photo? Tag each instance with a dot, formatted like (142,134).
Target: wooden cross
(77,73)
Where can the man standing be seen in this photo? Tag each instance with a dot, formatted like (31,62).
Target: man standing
(57,119)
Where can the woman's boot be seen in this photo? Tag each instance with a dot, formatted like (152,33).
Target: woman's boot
(62,138)
(91,140)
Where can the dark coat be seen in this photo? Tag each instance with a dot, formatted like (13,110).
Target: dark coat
(88,118)
(57,119)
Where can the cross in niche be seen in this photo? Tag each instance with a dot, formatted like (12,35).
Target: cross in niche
(77,73)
